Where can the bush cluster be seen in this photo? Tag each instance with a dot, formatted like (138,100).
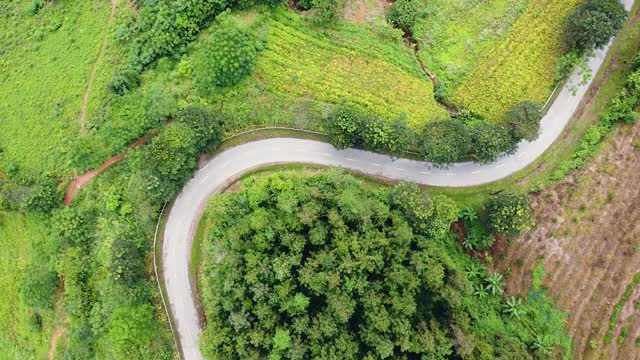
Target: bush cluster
(467,137)
(593,23)
(348,127)
(324,11)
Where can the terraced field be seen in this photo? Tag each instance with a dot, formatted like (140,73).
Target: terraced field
(344,65)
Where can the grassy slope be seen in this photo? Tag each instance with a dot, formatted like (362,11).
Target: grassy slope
(45,62)
(348,62)
(520,67)
(305,69)
(19,235)
(455,34)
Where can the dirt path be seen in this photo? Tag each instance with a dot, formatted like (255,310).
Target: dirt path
(53,343)
(103,47)
(82,180)
(588,236)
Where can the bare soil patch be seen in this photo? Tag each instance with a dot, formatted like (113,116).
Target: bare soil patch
(588,237)
(366,11)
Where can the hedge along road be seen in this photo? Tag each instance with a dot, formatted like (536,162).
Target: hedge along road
(233,163)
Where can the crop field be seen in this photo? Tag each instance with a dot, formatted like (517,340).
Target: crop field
(45,63)
(455,34)
(521,66)
(21,234)
(344,64)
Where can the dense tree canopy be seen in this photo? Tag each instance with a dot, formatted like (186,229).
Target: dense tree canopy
(321,268)
(593,23)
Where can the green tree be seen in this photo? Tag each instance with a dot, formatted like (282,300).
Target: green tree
(593,23)
(227,58)
(206,124)
(444,142)
(404,13)
(37,287)
(524,120)
(131,329)
(509,213)
(489,141)
(344,127)
(320,267)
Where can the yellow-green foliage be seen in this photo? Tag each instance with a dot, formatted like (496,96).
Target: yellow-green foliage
(299,62)
(454,34)
(18,235)
(45,62)
(521,67)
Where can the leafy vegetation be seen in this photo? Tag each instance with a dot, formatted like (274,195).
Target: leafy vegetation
(295,277)
(593,23)
(509,213)
(618,308)
(230,55)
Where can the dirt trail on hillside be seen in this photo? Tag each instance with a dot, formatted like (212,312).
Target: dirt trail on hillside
(103,48)
(53,343)
(82,180)
(589,239)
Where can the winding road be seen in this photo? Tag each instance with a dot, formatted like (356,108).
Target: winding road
(233,163)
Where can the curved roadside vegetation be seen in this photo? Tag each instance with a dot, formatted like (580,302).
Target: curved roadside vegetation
(87,268)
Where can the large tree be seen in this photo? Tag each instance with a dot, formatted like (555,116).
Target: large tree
(593,23)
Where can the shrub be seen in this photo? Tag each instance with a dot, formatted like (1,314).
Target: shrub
(509,213)
(127,262)
(444,142)
(228,57)
(524,120)
(124,81)
(34,7)
(205,124)
(131,329)
(404,13)
(37,287)
(489,141)
(593,23)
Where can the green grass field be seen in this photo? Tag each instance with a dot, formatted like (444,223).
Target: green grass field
(493,54)
(22,238)
(520,67)
(304,69)
(45,63)
(456,34)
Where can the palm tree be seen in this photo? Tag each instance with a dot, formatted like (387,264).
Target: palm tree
(494,283)
(542,346)
(480,291)
(468,214)
(514,307)
(474,270)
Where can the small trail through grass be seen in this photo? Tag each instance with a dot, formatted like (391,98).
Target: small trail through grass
(92,75)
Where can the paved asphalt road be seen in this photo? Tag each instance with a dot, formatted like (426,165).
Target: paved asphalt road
(231,164)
